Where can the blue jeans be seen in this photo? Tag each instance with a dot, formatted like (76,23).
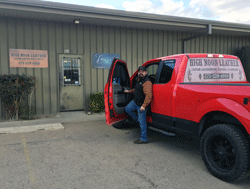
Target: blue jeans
(130,109)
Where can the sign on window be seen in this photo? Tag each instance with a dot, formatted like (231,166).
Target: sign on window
(213,70)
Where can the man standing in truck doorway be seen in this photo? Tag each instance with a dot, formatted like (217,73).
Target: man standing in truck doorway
(142,98)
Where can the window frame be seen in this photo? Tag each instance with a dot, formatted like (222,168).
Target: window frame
(125,83)
(158,74)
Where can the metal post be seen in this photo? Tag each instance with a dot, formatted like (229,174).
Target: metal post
(0,109)
(184,46)
(209,29)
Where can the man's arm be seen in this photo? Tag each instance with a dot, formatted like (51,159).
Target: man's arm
(147,89)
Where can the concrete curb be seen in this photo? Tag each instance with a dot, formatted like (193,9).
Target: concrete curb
(22,129)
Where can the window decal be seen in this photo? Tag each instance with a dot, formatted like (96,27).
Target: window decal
(214,70)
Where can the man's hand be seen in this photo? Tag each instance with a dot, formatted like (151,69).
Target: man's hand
(126,91)
(142,109)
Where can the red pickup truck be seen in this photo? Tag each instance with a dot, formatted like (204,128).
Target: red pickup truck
(201,95)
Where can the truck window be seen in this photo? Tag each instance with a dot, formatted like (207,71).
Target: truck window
(166,71)
(214,70)
(152,69)
(120,75)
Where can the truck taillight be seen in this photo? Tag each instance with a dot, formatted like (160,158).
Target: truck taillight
(210,56)
(221,56)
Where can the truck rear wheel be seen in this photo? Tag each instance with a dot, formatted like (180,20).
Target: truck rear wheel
(225,152)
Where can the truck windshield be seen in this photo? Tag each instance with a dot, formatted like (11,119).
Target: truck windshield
(214,70)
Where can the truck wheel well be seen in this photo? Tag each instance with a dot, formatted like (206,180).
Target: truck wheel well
(217,117)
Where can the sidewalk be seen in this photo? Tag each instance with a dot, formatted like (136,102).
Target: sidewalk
(49,123)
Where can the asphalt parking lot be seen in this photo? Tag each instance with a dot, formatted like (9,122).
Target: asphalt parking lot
(92,154)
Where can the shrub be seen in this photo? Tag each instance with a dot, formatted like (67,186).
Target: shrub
(26,108)
(96,102)
(12,90)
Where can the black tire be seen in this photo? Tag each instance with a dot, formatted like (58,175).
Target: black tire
(225,152)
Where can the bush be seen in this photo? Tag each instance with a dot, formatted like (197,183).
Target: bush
(96,102)
(26,108)
(12,90)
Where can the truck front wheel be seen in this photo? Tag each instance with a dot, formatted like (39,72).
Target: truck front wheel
(225,152)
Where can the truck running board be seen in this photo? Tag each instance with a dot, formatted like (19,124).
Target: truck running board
(161,131)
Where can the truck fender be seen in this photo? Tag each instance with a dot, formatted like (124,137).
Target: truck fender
(228,106)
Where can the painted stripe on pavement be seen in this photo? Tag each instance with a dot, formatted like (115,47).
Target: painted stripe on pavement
(22,129)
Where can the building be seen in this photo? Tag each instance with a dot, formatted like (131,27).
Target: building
(73,33)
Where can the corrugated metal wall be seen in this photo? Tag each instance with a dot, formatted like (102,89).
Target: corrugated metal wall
(135,46)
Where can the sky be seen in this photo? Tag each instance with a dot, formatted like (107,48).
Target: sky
(235,11)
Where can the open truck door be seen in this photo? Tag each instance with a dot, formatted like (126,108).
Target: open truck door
(114,97)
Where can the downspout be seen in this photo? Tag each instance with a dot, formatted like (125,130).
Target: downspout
(184,41)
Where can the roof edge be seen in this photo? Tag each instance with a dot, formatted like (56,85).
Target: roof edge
(120,13)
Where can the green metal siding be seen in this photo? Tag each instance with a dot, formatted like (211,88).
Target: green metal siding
(135,46)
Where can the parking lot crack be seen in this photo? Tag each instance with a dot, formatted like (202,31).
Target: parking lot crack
(146,179)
